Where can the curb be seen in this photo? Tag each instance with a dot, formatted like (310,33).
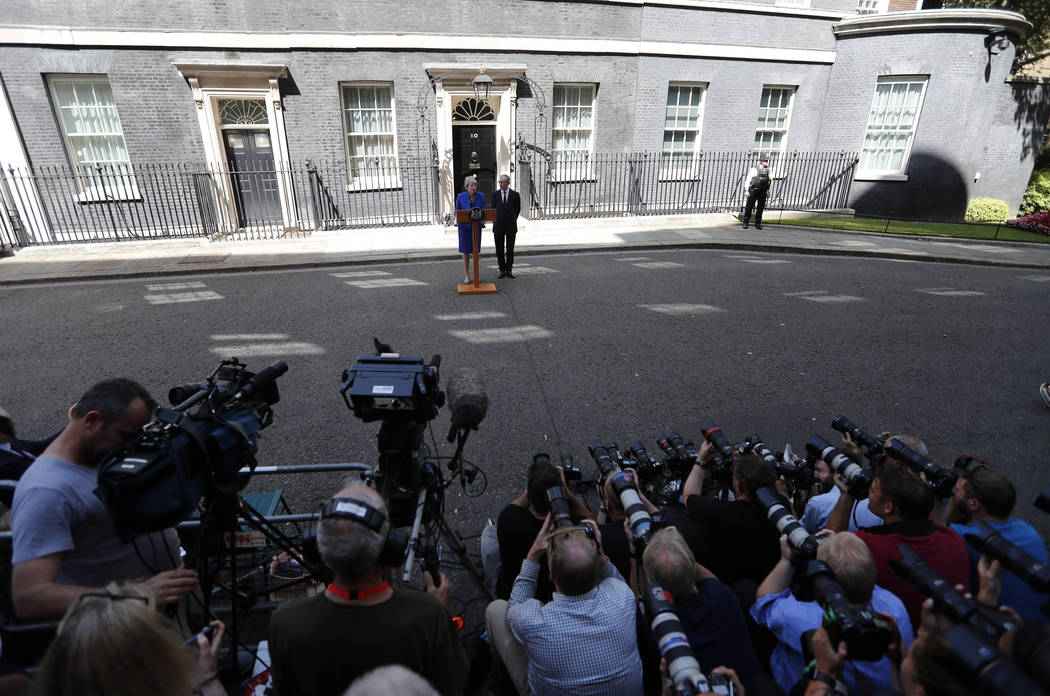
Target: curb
(550,251)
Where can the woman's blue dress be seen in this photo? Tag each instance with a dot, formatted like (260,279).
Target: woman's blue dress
(466,236)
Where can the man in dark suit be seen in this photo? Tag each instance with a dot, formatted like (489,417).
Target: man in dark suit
(508,205)
(16,455)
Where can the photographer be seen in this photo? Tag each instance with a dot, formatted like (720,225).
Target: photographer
(615,538)
(819,506)
(320,644)
(904,503)
(711,617)
(740,542)
(520,521)
(788,618)
(16,454)
(861,516)
(64,541)
(986,494)
(582,642)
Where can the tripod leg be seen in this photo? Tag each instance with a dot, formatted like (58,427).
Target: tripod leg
(461,553)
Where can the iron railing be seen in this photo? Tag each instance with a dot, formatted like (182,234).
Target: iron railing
(650,183)
(57,204)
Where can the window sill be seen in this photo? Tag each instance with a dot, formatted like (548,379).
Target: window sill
(94,196)
(371,185)
(879,176)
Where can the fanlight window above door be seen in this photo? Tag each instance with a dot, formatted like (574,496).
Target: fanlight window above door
(473,110)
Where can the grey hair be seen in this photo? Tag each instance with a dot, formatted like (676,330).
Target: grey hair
(851,561)
(391,679)
(349,548)
(504,176)
(669,560)
(914,443)
(467,181)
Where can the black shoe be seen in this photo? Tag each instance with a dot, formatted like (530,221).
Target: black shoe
(502,274)
(509,274)
(745,225)
(758,227)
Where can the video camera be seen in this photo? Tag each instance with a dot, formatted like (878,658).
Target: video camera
(987,622)
(403,393)
(623,484)
(682,667)
(197,448)
(866,632)
(857,478)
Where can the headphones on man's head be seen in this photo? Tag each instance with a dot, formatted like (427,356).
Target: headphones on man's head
(395,544)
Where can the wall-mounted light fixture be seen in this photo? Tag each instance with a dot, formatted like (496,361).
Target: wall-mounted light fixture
(482,85)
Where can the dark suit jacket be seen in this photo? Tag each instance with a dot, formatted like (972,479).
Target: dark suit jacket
(506,215)
(13,465)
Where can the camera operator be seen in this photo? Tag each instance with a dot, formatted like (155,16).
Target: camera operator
(740,542)
(615,538)
(64,541)
(819,506)
(520,521)
(986,494)
(861,516)
(16,454)
(904,502)
(320,644)
(711,617)
(788,618)
(582,642)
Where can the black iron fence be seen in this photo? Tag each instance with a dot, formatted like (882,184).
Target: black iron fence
(57,204)
(651,183)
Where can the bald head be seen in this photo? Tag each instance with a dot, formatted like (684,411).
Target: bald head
(573,562)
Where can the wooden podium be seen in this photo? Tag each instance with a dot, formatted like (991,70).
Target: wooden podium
(476,216)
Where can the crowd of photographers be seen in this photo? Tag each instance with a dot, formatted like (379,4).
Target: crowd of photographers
(862,569)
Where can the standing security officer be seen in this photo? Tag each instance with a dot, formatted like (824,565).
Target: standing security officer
(756,188)
(508,205)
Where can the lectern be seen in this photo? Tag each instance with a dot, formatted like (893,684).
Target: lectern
(476,216)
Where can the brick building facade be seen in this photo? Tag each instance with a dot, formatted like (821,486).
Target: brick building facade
(379,99)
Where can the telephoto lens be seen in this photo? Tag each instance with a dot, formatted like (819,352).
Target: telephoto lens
(682,667)
(560,508)
(857,478)
(866,632)
(980,661)
(988,622)
(941,480)
(802,541)
(846,426)
(714,435)
(623,484)
(1015,559)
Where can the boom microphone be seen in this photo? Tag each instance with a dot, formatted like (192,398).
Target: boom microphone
(467,400)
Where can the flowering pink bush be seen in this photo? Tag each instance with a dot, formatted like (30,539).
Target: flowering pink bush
(1036,222)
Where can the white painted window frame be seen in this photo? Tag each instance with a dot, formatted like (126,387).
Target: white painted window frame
(576,172)
(385,181)
(124,187)
(901,173)
(690,170)
(786,129)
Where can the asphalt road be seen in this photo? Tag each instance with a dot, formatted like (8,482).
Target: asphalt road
(614,345)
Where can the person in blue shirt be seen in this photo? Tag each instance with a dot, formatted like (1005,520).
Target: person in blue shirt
(986,494)
(469,198)
(788,618)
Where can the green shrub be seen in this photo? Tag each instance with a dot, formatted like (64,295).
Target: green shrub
(987,210)
(1037,195)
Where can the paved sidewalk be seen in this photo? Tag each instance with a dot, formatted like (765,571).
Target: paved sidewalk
(110,260)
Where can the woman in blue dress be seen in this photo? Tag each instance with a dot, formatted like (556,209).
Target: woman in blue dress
(470,198)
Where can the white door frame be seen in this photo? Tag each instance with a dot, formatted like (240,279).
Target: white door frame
(210,82)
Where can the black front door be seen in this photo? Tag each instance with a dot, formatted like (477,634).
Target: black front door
(474,154)
(249,154)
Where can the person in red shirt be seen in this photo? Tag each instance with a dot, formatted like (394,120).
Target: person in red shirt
(905,503)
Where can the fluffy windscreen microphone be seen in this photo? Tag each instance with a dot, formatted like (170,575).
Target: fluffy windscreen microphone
(467,400)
